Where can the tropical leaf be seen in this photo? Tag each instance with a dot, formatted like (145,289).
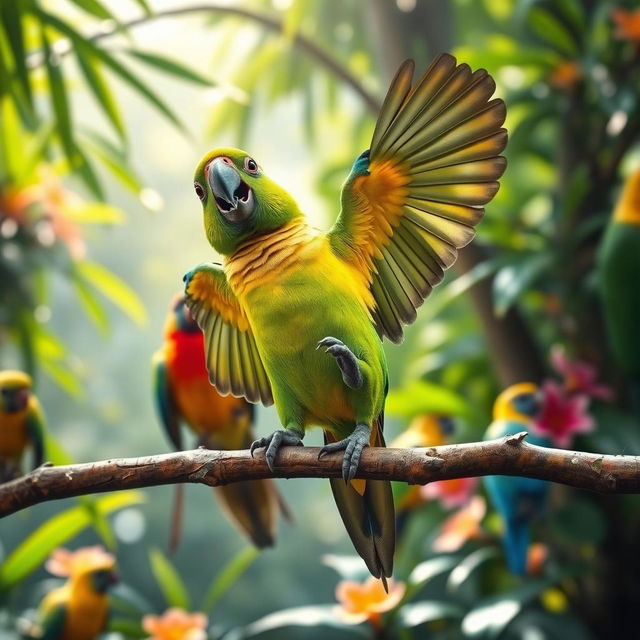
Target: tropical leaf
(113,288)
(421,396)
(310,616)
(229,574)
(417,613)
(171,67)
(32,552)
(172,587)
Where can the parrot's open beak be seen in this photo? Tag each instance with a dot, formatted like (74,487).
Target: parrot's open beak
(233,196)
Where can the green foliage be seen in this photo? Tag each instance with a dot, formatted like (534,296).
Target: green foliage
(62,527)
(173,589)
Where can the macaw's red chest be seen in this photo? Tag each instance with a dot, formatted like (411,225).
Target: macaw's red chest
(210,415)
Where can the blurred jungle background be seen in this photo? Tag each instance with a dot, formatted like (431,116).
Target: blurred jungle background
(105,110)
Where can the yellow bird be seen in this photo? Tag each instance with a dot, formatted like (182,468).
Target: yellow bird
(21,423)
(78,610)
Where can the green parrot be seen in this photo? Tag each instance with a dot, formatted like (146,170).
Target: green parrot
(619,270)
(296,316)
(21,424)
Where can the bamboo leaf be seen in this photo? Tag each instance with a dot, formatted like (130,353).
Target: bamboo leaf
(99,87)
(228,576)
(170,583)
(32,552)
(11,21)
(111,62)
(91,306)
(114,289)
(171,67)
(113,159)
(59,101)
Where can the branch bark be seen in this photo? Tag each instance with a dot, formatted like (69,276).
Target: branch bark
(509,456)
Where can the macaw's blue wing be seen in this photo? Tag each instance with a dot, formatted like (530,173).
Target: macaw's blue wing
(167,410)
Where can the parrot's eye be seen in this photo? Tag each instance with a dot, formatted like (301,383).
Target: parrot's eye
(250,165)
(199,190)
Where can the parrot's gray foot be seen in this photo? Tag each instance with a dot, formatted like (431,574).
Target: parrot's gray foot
(275,441)
(352,446)
(348,363)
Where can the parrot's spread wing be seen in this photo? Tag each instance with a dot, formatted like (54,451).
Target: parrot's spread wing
(167,409)
(232,357)
(414,200)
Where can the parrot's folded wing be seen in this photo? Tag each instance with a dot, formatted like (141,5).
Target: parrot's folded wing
(169,414)
(231,353)
(434,162)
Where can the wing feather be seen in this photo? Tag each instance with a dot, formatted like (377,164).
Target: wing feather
(233,360)
(414,200)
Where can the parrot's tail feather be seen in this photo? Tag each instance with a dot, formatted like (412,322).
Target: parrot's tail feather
(253,506)
(369,518)
(516,544)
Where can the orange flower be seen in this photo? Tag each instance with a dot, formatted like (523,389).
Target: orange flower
(566,75)
(627,24)
(461,526)
(64,563)
(367,600)
(175,624)
(537,554)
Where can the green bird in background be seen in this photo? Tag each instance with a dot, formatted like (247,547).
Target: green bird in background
(296,316)
(21,424)
(619,274)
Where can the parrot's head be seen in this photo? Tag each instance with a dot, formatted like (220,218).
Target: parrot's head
(520,401)
(238,199)
(180,318)
(89,567)
(15,391)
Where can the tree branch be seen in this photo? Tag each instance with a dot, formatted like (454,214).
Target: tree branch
(506,456)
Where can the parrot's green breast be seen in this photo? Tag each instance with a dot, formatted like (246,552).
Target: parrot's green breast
(295,309)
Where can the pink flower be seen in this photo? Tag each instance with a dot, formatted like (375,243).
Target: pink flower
(461,526)
(450,493)
(578,376)
(562,415)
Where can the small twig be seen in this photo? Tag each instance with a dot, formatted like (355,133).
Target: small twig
(507,456)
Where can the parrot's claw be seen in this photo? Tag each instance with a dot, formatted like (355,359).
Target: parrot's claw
(346,360)
(273,443)
(352,446)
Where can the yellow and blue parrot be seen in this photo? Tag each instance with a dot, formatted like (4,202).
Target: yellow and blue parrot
(519,501)
(618,270)
(79,609)
(296,316)
(185,396)
(21,424)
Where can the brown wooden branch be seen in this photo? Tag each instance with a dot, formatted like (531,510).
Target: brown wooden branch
(506,456)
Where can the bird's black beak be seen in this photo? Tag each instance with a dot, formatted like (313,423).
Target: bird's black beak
(233,196)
